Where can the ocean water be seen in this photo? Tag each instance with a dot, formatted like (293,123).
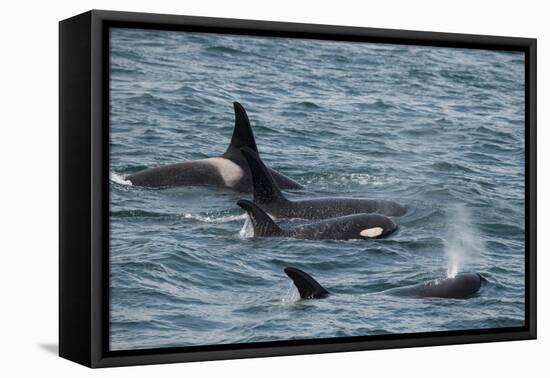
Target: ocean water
(438,129)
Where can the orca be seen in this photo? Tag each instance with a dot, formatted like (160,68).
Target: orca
(268,195)
(229,170)
(462,286)
(356,226)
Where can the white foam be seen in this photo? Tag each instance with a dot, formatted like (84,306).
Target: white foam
(119,179)
(292,294)
(362,179)
(215,219)
(247,231)
(366,179)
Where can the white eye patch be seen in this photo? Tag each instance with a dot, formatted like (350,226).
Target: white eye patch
(372,232)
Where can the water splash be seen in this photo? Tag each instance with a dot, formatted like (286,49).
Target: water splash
(119,179)
(214,219)
(360,179)
(292,294)
(463,243)
(247,231)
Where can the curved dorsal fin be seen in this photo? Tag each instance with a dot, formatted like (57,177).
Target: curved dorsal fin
(262,223)
(306,285)
(265,188)
(242,133)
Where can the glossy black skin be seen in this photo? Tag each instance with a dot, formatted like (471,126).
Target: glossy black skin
(340,228)
(322,208)
(306,285)
(201,173)
(268,196)
(462,286)
(186,173)
(343,228)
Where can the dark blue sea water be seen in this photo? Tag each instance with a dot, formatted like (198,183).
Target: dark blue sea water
(438,129)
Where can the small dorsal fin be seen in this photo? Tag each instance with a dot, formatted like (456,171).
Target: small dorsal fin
(242,133)
(265,188)
(261,222)
(306,285)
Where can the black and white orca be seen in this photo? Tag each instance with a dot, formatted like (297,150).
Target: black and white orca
(268,195)
(461,286)
(229,170)
(357,226)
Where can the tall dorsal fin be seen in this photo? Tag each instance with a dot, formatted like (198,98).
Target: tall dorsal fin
(306,285)
(242,133)
(265,188)
(262,223)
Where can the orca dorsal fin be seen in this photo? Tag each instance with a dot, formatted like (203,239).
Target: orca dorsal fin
(264,186)
(306,285)
(242,133)
(261,222)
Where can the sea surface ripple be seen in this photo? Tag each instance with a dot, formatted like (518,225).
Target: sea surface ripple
(438,129)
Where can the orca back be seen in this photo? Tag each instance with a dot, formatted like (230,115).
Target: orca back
(462,286)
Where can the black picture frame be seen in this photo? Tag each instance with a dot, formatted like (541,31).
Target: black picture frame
(84,188)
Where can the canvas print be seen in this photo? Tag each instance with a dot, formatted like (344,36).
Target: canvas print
(267,189)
